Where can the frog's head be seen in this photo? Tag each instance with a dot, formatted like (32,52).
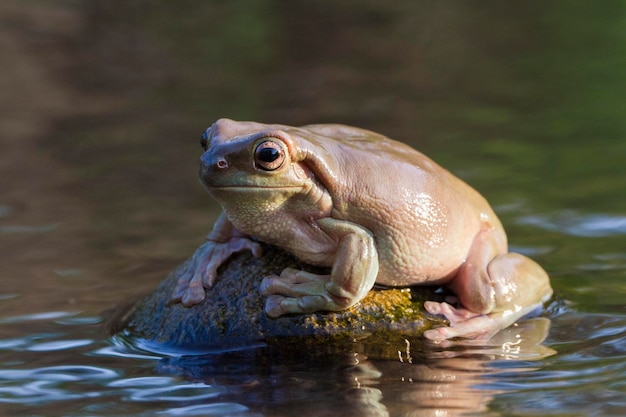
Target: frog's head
(249,164)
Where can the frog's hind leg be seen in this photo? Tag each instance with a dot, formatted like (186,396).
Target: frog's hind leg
(494,289)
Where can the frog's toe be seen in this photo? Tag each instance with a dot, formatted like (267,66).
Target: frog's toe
(208,274)
(193,295)
(269,285)
(189,291)
(440,333)
(464,323)
(181,288)
(295,283)
(452,314)
(273,306)
(478,328)
(277,305)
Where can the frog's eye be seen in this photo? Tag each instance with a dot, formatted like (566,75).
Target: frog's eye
(204,140)
(269,155)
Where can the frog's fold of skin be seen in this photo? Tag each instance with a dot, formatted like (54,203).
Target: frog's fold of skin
(373,210)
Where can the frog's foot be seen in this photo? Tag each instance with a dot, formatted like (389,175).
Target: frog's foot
(201,271)
(464,323)
(296,291)
(189,289)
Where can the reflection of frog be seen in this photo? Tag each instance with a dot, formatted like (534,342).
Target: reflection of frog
(373,209)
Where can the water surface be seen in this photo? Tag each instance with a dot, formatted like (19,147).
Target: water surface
(102,105)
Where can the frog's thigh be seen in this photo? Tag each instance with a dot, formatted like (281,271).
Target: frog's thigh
(494,290)
(353,274)
(492,280)
(473,284)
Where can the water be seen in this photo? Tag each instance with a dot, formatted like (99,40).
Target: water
(102,105)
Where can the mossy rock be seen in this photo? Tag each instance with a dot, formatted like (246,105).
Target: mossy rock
(232,314)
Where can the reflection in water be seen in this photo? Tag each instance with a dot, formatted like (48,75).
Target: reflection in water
(522,341)
(396,376)
(403,378)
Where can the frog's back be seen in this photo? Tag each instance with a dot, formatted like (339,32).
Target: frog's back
(363,163)
(356,142)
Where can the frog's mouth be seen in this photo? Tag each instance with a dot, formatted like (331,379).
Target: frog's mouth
(254,189)
(237,196)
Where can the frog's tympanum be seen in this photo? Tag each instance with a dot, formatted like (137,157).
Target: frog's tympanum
(373,210)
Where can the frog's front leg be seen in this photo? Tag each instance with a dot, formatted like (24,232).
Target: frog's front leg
(494,290)
(201,272)
(353,274)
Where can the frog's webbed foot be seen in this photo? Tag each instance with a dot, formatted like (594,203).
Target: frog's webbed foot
(467,324)
(189,289)
(494,290)
(463,323)
(201,271)
(296,291)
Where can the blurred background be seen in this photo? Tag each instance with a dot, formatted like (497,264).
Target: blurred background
(102,104)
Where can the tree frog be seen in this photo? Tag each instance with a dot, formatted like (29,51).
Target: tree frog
(371,209)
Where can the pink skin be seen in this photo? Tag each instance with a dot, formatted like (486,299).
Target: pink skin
(221,243)
(317,192)
(487,282)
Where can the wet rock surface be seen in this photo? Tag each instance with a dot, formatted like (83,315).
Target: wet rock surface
(232,313)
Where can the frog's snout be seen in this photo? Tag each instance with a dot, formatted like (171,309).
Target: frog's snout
(211,166)
(210,163)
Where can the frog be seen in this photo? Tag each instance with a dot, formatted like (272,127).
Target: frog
(372,211)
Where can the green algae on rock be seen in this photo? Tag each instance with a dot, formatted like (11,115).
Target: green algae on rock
(233,314)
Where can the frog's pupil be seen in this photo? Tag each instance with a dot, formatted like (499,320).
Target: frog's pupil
(268,154)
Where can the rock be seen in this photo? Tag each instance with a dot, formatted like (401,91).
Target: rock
(232,313)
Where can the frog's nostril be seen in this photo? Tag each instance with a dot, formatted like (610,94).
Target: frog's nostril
(209,162)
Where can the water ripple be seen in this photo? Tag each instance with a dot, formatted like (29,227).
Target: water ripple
(576,224)
(19,229)
(215,409)
(59,345)
(49,383)
(48,315)
(589,369)
(146,381)
(59,373)
(124,351)
(34,392)
(186,392)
